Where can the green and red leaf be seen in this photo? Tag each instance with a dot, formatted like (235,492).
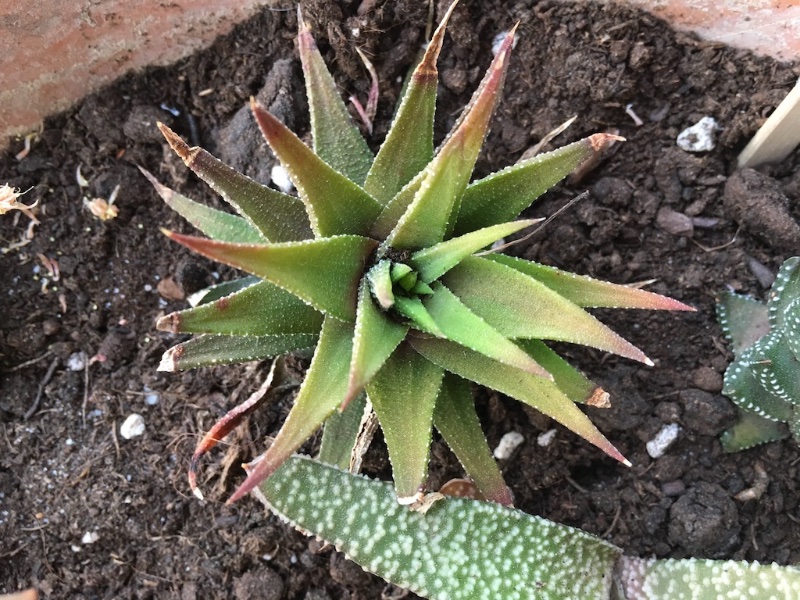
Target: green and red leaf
(455,418)
(321,392)
(431,215)
(260,309)
(337,140)
(403,394)
(587,292)
(279,217)
(212,350)
(519,306)
(335,205)
(538,392)
(408,146)
(325,272)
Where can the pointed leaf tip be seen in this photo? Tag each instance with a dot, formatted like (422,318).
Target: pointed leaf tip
(177,144)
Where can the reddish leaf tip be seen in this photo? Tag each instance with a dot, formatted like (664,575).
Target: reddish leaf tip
(599,398)
(177,144)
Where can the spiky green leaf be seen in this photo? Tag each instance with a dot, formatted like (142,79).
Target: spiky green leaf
(376,337)
(742,386)
(587,292)
(335,205)
(413,310)
(519,306)
(337,140)
(321,392)
(435,554)
(409,144)
(211,350)
(538,392)
(459,324)
(775,367)
(455,418)
(435,261)
(279,217)
(216,224)
(569,380)
(260,309)
(392,213)
(340,433)
(503,195)
(403,394)
(325,273)
(432,213)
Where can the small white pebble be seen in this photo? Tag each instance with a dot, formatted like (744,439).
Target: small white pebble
(90,537)
(281,178)
(76,361)
(508,443)
(150,397)
(93,414)
(546,438)
(70,442)
(148,287)
(75,548)
(699,137)
(663,440)
(132,426)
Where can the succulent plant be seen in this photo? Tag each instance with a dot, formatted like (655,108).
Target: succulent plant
(764,378)
(468,549)
(374,265)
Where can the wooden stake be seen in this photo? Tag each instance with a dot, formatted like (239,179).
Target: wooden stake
(778,136)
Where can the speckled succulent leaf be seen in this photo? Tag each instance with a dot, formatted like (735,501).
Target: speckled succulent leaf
(403,394)
(785,289)
(340,433)
(380,282)
(460,325)
(325,272)
(588,292)
(764,378)
(791,327)
(216,224)
(431,214)
(279,217)
(413,310)
(699,579)
(742,386)
(455,418)
(435,554)
(519,306)
(503,195)
(320,394)
(433,262)
(538,392)
(335,205)
(569,380)
(752,430)
(260,309)
(408,147)
(376,337)
(210,350)
(337,140)
(220,290)
(743,320)
(775,366)
(395,209)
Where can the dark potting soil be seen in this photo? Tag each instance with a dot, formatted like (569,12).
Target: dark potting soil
(87,514)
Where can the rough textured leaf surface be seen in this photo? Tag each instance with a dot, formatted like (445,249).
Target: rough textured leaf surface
(458,550)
